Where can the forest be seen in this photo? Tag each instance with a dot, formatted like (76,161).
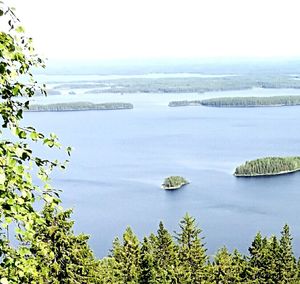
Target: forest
(252,101)
(182,258)
(241,102)
(268,166)
(174,182)
(37,240)
(79,106)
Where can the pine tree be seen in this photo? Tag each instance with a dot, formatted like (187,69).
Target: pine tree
(146,263)
(69,258)
(273,260)
(192,254)
(228,268)
(287,262)
(165,254)
(127,257)
(110,272)
(257,262)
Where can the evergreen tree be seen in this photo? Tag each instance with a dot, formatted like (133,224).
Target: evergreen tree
(147,263)
(228,268)
(69,257)
(257,261)
(165,255)
(287,261)
(110,272)
(192,254)
(127,257)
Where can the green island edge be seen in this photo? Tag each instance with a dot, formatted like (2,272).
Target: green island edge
(268,166)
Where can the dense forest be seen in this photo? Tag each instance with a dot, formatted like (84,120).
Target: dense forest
(252,101)
(174,182)
(241,102)
(79,106)
(37,242)
(182,258)
(268,166)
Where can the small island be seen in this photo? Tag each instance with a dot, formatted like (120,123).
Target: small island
(268,166)
(174,182)
(79,106)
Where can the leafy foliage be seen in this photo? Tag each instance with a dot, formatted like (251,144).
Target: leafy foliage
(35,246)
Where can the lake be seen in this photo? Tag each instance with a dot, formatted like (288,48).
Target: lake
(120,159)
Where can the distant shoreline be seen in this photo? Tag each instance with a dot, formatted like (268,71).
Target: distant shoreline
(78,106)
(241,102)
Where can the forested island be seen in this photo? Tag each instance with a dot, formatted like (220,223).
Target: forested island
(174,182)
(268,166)
(252,101)
(79,106)
(241,102)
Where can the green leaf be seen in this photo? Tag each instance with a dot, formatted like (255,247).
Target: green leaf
(19,29)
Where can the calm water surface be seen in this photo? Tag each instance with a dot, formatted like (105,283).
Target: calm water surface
(121,158)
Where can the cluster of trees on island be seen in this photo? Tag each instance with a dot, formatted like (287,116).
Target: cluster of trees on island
(37,242)
(252,101)
(241,102)
(79,106)
(268,166)
(174,182)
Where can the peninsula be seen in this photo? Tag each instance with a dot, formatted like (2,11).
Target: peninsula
(174,182)
(79,106)
(268,166)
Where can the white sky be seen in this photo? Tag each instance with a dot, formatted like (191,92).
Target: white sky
(113,29)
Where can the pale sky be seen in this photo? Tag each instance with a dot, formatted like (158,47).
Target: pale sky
(114,29)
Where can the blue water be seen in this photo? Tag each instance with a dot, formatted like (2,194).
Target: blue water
(121,158)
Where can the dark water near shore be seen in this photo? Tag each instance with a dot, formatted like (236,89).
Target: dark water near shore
(121,158)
